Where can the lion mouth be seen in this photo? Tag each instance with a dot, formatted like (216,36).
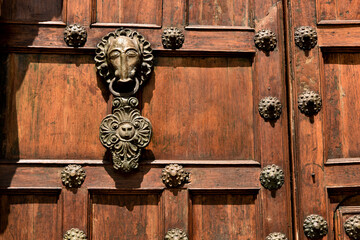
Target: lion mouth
(124,80)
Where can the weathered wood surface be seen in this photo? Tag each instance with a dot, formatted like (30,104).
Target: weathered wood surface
(201,99)
(324,145)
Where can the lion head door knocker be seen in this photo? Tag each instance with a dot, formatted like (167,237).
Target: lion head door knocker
(124,59)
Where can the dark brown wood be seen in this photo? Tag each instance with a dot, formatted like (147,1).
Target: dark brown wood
(325,146)
(202,101)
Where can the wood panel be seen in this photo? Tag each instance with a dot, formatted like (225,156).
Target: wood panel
(29,216)
(342,73)
(341,215)
(204,117)
(127,13)
(126,216)
(338,11)
(223,216)
(51,102)
(31,11)
(215,14)
(343,203)
(324,144)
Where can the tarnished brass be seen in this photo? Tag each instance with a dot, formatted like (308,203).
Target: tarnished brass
(315,226)
(125,60)
(270,108)
(305,37)
(73,176)
(174,175)
(276,236)
(265,40)
(352,227)
(172,38)
(75,35)
(309,103)
(74,234)
(125,132)
(176,234)
(272,177)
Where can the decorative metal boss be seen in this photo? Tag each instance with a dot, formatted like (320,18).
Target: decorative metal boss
(75,35)
(315,226)
(176,234)
(309,103)
(124,59)
(172,38)
(276,236)
(352,227)
(305,37)
(74,234)
(73,176)
(270,108)
(272,177)
(173,175)
(265,40)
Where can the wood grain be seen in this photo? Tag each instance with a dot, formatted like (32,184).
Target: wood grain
(220,216)
(341,75)
(29,216)
(22,11)
(118,11)
(219,13)
(204,117)
(134,216)
(52,102)
(338,10)
(202,101)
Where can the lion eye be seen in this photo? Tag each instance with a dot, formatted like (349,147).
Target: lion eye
(131,53)
(114,54)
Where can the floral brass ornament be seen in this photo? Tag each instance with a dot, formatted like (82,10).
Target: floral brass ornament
(75,35)
(172,38)
(276,236)
(305,37)
(270,108)
(73,176)
(176,234)
(173,175)
(315,226)
(265,40)
(352,227)
(309,103)
(125,60)
(125,132)
(74,234)
(272,177)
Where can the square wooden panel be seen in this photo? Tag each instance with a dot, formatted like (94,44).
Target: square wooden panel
(131,215)
(338,11)
(30,216)
(54,107)
(341,104)
(209,110)
(215,14)
(32,11)
(135,13)
(223,215)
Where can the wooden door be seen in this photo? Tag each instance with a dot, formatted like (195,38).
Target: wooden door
(201,99)
(326,145)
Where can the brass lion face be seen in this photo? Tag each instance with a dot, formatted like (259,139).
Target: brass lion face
(124,59)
